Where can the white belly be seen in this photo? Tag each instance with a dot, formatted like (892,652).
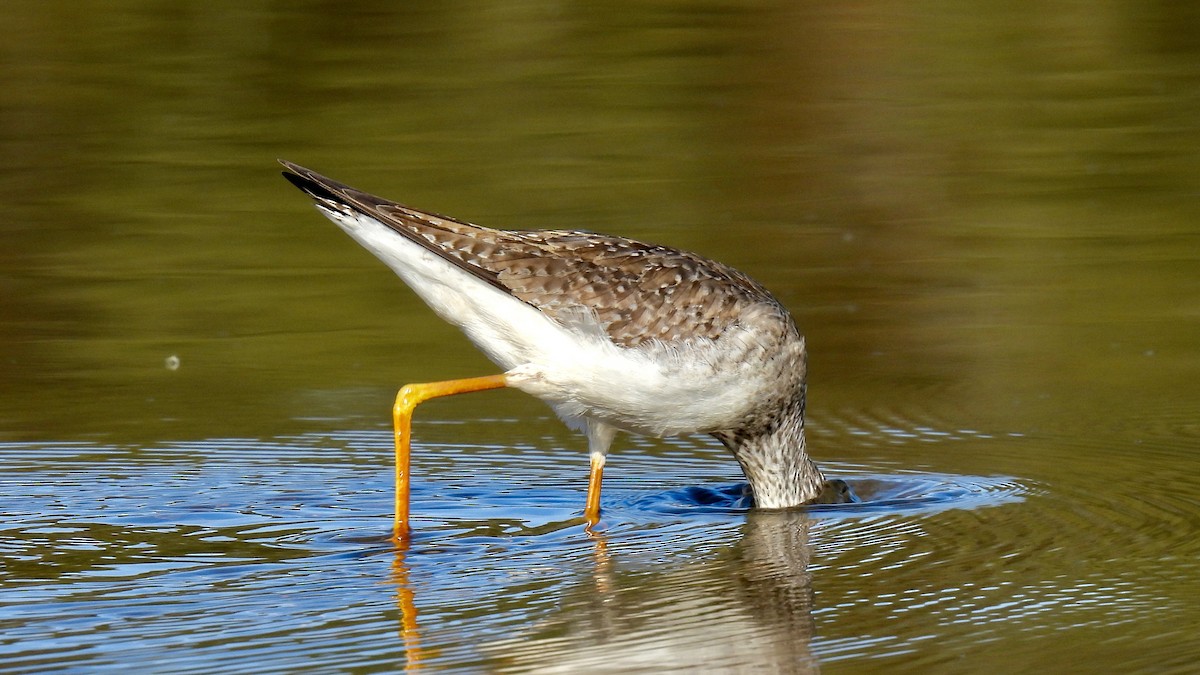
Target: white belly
(657,390)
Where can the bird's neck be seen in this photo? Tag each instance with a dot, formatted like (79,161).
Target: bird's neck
(789,478)
(776,463)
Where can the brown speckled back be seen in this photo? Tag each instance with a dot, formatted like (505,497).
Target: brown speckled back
(638,292)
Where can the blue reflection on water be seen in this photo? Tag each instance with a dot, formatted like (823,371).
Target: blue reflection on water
(197,556)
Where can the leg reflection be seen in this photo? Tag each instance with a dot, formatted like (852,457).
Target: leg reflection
(602,571)
(410,632)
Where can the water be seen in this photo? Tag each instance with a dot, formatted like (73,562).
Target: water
(983,219)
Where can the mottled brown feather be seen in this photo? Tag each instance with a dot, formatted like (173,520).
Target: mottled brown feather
(638,292)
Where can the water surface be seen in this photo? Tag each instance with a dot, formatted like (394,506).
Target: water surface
(983,219)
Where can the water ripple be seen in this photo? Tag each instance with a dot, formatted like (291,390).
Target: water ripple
(241,550)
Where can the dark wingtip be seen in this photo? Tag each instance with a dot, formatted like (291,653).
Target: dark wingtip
(295,173)
(306,181)
(297,180)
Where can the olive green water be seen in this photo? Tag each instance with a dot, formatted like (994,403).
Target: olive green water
(986,221)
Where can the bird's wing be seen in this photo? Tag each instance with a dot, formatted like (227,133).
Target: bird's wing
(637,292)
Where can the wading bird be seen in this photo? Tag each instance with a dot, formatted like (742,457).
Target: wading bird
(614,334)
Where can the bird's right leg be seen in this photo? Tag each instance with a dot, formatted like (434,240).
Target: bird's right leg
(600,436)
(409,397)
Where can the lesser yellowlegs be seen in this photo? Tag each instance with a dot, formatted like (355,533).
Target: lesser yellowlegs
(613,333)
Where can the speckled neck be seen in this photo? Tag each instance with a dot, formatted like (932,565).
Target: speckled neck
(772,452)
(777,465)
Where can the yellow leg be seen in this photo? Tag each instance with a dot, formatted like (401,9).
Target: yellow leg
(410,396)
(591,511)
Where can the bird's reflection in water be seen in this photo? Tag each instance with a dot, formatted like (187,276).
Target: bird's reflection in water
(747,607)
